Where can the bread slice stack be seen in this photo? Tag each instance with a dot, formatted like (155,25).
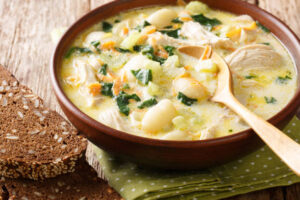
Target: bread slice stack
(37,143)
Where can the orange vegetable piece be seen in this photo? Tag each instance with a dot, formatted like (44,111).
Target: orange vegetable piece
(125,30)
(94,88)
(207,53)
(117,86)
(108,45)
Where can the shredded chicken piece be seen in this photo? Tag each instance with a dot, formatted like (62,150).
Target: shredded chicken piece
(253,57)
(200,35)
(112,117)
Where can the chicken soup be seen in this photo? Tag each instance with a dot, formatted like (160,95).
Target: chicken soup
(127,73)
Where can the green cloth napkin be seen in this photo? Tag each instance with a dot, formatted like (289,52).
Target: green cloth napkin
(256,171)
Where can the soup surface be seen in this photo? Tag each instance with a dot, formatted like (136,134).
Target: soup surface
(127,73)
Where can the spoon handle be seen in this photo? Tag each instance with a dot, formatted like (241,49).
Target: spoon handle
(285,148)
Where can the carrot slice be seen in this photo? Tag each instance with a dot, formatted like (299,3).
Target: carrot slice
(108,45)
(162,52)
(94,88)
(117,86)
(125,30)
(185,19)
(234,33)
(207,53)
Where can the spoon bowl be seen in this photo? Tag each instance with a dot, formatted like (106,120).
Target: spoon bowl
(283,146)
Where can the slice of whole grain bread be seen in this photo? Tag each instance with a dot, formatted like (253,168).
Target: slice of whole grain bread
(36,143)
(83,184)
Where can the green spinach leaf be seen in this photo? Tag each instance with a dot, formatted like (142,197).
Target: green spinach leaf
(250,76)
(143,75)
(106,89)
(123,100)
(96,45)
(106,27)
(177,21)
(185,100)
(262,27)
(121,50)
(103,69)
(148,51)
(283,80)
(77,50)
(137,48)
(148,103)
(270,100)
(205,21)
(170,50)
(171,33)
(140,27)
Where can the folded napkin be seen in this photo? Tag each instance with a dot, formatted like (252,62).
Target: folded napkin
(258,170)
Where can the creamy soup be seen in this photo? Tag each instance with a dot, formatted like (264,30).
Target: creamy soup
(126,71)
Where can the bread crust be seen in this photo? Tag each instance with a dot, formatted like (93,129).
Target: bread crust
(36,143)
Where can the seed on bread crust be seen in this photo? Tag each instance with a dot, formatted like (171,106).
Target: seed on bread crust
(27,130)
(81,184)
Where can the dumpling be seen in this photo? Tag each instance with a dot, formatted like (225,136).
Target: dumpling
(253,57)
(159,116)
(162,17)
(190,87)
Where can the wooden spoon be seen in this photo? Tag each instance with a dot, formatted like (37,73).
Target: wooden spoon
(283,146)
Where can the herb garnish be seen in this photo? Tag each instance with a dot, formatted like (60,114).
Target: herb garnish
(106,89)
(148,103)
(96,44)
(270,100)
(283,80)
(250,76)
(121,50)
(106,27)
(117,21)
(185,100)
(262,27)
(171,33)
(177,21)
(205,21)
(123,100)
(230,130)
(103,69)
(266,43)
(143,75)
(170,50)
(77,50)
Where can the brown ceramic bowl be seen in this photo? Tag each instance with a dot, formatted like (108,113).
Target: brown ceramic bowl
(162,153)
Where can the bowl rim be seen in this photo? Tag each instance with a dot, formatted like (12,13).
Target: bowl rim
(293,104)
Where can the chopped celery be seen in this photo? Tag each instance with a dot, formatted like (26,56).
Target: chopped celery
(196,7)
(130,40)
(153,89)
